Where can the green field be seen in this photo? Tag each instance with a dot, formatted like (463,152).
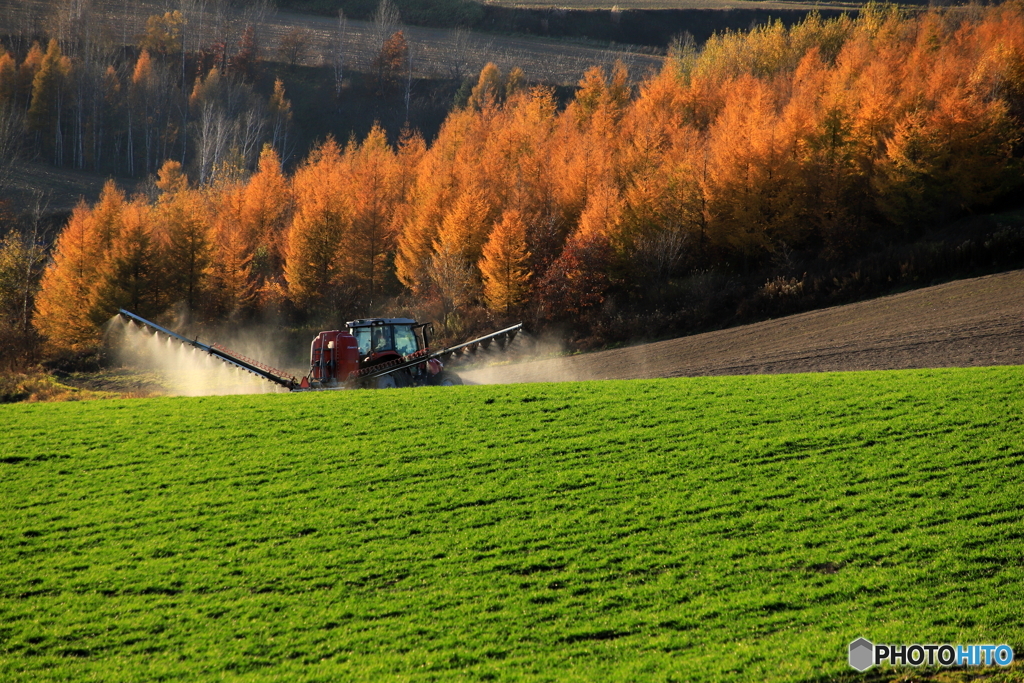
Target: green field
(741,528)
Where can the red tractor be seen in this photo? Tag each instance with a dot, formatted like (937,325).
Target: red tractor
(375,353)
(379,353)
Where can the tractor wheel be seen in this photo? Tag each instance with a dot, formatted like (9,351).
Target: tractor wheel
(449,380)
(386,382)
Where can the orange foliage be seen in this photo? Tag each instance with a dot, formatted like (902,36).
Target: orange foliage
(131,277)
(315,256)
(63,308)
(762,142)
(376,184)
(262,221)
(505,264)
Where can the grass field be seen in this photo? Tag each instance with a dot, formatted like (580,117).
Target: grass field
(735,528)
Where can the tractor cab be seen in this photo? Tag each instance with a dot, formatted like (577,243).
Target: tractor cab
(383,339)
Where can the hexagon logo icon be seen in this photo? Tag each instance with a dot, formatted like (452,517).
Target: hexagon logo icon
(862,654)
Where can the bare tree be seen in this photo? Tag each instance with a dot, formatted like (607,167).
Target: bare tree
(340,37)
(457,56)
(454,281)
(659,254)
(252,126)
(255,15)
(193,13)
(10,141)
(23,23)
(66,24)
(36,255)
(22,259)
(94,55)
(408,80)
(386,22)
(293,45)
(213,137)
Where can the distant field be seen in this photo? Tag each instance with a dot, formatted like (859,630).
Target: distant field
(678,4)
(726,529)
(436,52)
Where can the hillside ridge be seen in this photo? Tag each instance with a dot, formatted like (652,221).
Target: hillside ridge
(964,323)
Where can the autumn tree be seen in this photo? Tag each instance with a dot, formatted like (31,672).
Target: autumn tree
(280,111)
(263,219)
(21,261)
(505,264)
(430,199)
(232,283)
(45,112)
(131,275)
(163,33)
(315,256)
(247,56)
(945,161)
(465,227)
(185,240)
(375,180)
(755,172)
(489,89)
(578,279)
(8,79)
(143,115)
(390,66)
(64,306)
(454,281)
(293,46)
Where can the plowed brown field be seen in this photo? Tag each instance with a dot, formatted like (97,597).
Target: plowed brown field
(972,322)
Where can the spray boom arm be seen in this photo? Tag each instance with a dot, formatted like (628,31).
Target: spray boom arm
(227,355)
(481,342)
(289,382)
(452,351)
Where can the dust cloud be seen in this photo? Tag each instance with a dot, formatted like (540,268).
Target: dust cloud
(545,360)
(188,371)
(498,366)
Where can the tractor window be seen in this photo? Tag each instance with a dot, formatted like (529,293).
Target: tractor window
(381,338)
(362,335)
(405,340)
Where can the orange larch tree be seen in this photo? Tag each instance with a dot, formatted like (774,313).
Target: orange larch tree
(64,306)
(505,264)
(375,184)
(183,231)
(433,191)
(315,254)
(232,283)
(264,214)
(131,277)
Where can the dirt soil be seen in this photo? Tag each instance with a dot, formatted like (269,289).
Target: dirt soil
(966,323)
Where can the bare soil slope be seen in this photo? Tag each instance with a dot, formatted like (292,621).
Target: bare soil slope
(972,322)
